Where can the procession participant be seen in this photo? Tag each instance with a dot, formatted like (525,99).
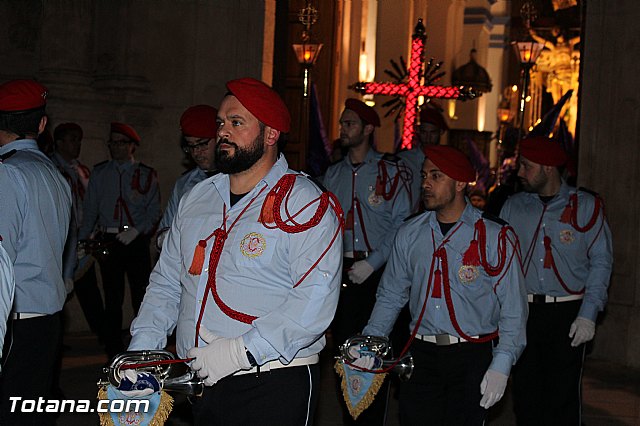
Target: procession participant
(371,189)
(199,127)
(35,205)
(432,126)
(7,290)
(250,272)
(458,271)
(79,274)
(567,266)
(123,202)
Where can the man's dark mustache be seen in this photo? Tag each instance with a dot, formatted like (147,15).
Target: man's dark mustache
(226,141)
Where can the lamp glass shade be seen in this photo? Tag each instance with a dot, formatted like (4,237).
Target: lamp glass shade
(528,51)
(307,53)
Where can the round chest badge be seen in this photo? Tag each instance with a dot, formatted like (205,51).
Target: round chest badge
(468,273)
(253,245)
(374,200)
(566,236)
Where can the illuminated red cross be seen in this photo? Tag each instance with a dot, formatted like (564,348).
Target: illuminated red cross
(412,89)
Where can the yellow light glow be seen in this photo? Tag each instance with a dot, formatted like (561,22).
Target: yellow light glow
(420,100)
(514,88)
(530,128)
(538,121)
(307,55)
(528,98)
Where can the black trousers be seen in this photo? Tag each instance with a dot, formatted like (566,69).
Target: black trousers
(90,299)
(31,349)
(282,397)
(444,388)
(134,260)
(547,379)
(354,309)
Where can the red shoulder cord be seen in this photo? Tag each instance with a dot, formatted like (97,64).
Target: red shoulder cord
(383,178)
(569,215)
(270,213)
(121,205)
(135,181)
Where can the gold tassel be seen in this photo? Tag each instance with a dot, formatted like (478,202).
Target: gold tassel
(159,418)
(198,258)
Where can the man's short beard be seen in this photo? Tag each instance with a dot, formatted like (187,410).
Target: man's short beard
(242,159)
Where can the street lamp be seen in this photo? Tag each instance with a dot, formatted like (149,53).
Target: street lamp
(307,52)
(527,51)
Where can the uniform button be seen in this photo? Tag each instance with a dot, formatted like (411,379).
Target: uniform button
(437,306)
(355,223)
(206,269)
(357,240)
(541,260)
(325,275)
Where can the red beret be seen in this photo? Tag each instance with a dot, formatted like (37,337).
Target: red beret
(261,101)
(125,129)
(66,127)
(432,116)
(543,150)
(364,111)
(451,161)
(200,121)
(22,95)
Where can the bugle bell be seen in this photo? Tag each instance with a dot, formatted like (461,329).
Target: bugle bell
(380,347)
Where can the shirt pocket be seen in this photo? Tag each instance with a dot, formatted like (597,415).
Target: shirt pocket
(253,245)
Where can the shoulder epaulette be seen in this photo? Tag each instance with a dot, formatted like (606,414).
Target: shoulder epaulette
(492,217)
(411,216)
(101,163)
(7,155)
(393,158)
(588,191)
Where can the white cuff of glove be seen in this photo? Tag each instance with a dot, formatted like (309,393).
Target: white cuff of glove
(127,236)
(220,358)
(582,330)
(360,271)
(492,388)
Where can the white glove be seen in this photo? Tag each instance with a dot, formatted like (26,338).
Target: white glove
(80,251)
(492,388)
(220,358)
(582,330)
(162,235)
(127,236)
(367,362)
(68,285)
(132,375)
(360,271)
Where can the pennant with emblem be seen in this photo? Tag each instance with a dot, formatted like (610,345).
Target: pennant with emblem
(151,409)
(359,388)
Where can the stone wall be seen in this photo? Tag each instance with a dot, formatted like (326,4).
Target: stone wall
(609,133)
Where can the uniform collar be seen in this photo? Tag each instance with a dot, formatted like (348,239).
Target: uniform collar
(371,156)
(469,217)
(279,168)
(19,145)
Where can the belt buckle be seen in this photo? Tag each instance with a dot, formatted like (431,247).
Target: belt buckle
(443,340)
(539,298)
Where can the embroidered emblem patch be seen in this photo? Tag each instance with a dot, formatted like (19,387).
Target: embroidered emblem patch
(566,236)
(374,200)
(355,384)
(468,273)
(253,245)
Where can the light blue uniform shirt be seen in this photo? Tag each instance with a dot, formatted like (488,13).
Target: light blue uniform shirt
(478,309)
(136,183)
(414,159)
(256,274)
(7,289)
(181,187)
(583,259)
(35,209)
(381,217)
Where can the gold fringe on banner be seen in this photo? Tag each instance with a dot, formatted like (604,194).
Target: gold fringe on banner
(159,418)
(368,397)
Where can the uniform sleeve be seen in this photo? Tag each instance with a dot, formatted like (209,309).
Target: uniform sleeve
(401,209)
(393,290)
(159,310)
(7,289)
(90,208)
(600,258)
(308,309)
(13,204)
(514,309)
(154,210)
